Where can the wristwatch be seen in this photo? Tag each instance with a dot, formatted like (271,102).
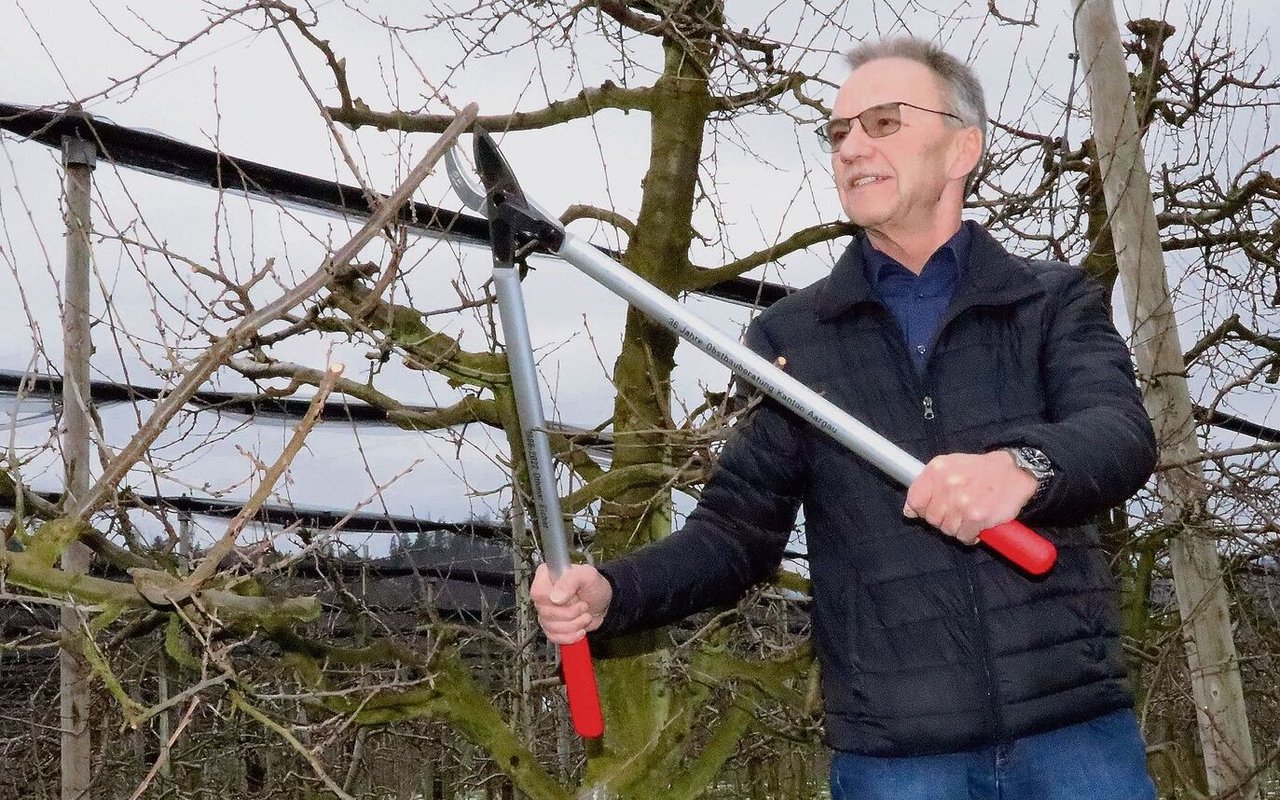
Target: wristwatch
(1036,464)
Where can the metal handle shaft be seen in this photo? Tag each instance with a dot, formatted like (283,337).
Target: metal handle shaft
(1013,540)
(579,675)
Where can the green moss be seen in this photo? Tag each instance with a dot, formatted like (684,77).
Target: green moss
(175,647)
(46,544)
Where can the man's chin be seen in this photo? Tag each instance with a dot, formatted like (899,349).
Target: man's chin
(865,218)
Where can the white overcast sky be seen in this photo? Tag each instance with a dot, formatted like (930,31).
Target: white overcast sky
(237,90)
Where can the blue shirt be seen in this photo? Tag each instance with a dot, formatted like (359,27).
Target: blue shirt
(918,302)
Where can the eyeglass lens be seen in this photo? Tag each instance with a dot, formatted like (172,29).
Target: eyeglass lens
(877,121)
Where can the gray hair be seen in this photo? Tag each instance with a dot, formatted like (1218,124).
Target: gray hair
(961,89)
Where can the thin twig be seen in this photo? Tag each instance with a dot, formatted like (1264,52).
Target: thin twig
(244,705)
(164,751)
(242,333)
(216,680)
(206,568)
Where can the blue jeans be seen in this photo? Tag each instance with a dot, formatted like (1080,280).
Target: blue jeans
(1102,759)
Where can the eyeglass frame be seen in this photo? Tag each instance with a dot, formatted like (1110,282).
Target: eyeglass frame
(823,131)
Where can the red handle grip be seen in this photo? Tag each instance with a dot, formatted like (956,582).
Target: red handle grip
(580,685)
(1022,546)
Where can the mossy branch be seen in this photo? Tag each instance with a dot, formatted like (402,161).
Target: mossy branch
(15,496)
(423,348)
(694,777)
(584,104)
(769,677)
(133,710)
(792,582)
(47,543)
(755,680)
(664,751)
(702,278)
(617,482)
(21,570)
(469,409)
(54,540)
(452,696)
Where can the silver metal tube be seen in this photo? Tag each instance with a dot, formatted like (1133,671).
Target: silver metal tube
(533,425)
(817,410)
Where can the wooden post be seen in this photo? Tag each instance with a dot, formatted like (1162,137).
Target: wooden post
(185,548)
(78,158)
(1203,600)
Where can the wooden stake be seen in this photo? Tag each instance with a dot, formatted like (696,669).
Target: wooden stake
(1203,600)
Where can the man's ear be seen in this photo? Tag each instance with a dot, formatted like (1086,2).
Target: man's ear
(966,150)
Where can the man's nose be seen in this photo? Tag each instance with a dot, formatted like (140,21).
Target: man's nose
(855,144)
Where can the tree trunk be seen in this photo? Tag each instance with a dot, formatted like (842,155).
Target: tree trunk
(638,701)
(1203,599)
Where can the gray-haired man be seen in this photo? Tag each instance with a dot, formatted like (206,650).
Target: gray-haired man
(947,672)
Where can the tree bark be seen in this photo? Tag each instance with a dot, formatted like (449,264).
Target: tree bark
(1203,600)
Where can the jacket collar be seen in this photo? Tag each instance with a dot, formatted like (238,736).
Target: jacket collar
(956,249)
(993,277)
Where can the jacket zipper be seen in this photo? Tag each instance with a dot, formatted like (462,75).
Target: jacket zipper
(930,412)
(923,384)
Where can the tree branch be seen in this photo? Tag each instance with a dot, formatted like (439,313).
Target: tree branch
(695,776)
(770,677)
(469,409)
(702,278)
(995,12)
(791,83)
(235,339)
(585,104)
(619,481)
(242,703)
(577,212)
(209,565)
(1231,327)
(21,570)
(425,348)
(452,696)
(338,66)
(621,13)
(1228,206)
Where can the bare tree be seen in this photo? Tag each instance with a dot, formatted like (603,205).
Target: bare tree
(331,696)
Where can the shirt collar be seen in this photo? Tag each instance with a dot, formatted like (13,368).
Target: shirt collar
(997,277)
(951,258)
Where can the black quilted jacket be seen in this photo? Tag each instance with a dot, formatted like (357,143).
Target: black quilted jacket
(926,645)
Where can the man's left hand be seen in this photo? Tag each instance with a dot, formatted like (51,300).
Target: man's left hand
(963,494)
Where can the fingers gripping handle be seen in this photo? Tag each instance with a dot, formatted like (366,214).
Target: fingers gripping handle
(580,685)
(1021,545)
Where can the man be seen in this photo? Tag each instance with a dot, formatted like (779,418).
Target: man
(947,672)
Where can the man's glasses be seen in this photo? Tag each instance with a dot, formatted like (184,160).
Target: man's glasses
(878,121)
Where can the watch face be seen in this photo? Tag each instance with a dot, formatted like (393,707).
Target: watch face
(1034,460)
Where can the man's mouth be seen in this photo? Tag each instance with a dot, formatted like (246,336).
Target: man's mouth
(867,180)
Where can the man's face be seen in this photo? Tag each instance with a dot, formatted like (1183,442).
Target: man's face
(895,184)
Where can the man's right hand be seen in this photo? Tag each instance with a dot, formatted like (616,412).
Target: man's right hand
(572,606)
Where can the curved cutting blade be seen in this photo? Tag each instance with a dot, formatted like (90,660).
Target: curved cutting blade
(495,173)
(468,189)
